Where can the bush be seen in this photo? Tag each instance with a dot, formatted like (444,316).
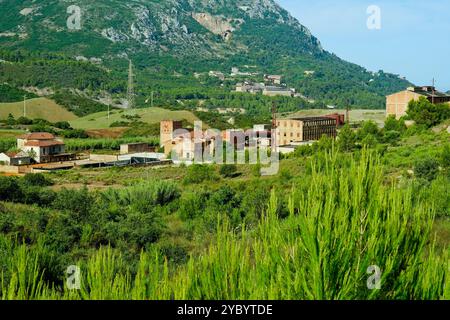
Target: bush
(192,205)
(64,125)
(24,121)
(38,180)
(10,189)
(346,139)
(228,171)
(75,134)
(423,112)
(427,169)
(199,173)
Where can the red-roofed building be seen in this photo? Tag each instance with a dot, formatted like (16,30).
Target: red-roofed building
(14,158)
(43,147)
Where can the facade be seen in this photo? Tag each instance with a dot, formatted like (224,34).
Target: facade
(273,91)
(291,131)
(274,79)
(248,87)
(184,145)
(397,103)
(167,128)
(136,148)
(340,118)
(43,147)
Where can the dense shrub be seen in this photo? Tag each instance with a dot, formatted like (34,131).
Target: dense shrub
(427,168)
(37,179)
(199,173)
(228,171)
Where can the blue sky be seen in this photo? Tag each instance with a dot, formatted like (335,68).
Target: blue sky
(414,39)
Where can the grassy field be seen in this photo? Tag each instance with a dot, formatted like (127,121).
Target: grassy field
(42,108)
(149,115)
(379,116)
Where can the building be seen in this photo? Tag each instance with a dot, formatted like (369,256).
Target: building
(248,87)
(274,79)
(43,147)
(14,158)
(273,91)
(217,74)
(397,103)
(167,128)
(340,118)
(130,148)
(291,131)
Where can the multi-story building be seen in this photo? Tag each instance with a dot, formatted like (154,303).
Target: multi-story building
(296,130)
(397,103)
(43,147)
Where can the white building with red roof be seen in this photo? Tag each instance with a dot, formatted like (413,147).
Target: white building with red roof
(42,147)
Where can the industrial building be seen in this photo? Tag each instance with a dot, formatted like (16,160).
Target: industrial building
(290,131)
(397,103)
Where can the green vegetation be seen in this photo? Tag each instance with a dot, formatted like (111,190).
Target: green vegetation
(423,112)
(148,115)
(11,94)
(316,242)
(38,108)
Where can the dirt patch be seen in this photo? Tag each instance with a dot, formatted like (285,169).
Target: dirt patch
(112,133)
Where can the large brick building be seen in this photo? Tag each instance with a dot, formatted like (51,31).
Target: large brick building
(305,129)
(397,103)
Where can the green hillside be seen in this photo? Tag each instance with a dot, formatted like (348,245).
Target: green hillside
(38,108)
(149,115)
(169,42)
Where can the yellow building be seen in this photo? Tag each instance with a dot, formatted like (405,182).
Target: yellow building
(397,103)
(295,130)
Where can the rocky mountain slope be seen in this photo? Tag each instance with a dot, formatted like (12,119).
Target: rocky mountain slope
(189,36)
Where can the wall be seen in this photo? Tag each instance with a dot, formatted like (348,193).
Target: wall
(397,104)
(9,169)
(289,131)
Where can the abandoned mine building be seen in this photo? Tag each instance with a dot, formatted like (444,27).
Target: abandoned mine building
(397,103)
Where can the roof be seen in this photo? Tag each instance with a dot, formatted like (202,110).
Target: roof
(43,143)
(310,118)
(277,89)
(37,136)
(426,91)
(13,155)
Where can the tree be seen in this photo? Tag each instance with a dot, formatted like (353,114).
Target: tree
(368,128)
(10,121)
(423,112)
(392,124)
(346,139)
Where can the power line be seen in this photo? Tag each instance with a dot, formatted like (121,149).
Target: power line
(130,91)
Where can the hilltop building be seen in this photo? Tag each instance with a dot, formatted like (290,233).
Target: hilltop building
(397,103)
(271,91)
(274,79)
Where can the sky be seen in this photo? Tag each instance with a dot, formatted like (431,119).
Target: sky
(413,39)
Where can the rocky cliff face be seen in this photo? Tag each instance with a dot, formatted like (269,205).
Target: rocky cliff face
(185,26)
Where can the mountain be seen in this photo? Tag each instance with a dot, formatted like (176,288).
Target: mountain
(170,41)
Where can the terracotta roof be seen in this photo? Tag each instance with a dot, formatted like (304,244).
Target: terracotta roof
(11,154)
(43,143)
(37,136)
